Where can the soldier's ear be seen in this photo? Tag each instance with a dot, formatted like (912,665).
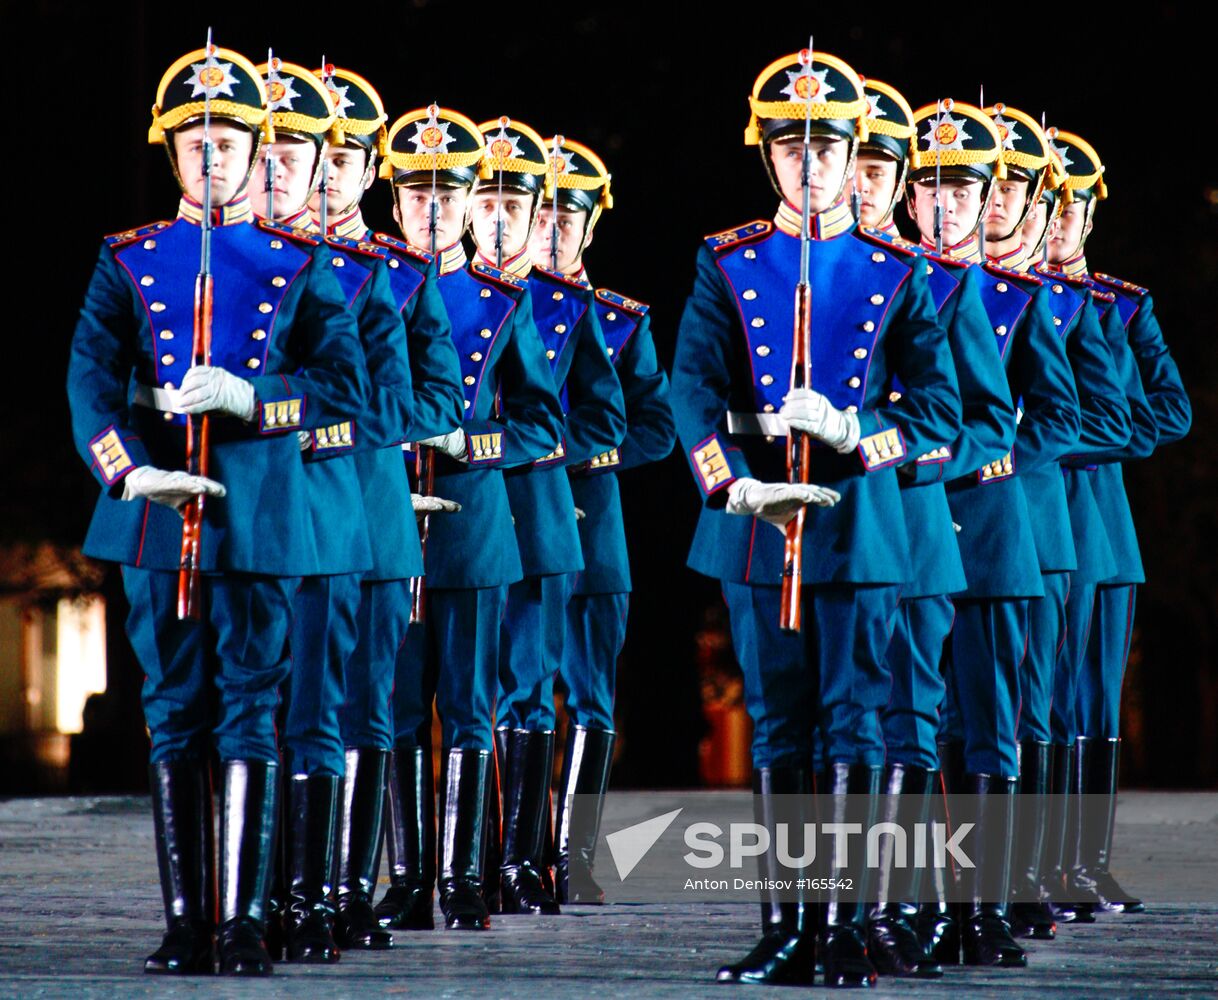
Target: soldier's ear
(588,241)
(397,212)
(1088,227)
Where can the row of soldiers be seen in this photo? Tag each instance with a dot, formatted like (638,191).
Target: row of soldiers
(974,392)
(517,392)
(969,559)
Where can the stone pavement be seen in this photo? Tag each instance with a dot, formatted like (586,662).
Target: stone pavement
(80,908)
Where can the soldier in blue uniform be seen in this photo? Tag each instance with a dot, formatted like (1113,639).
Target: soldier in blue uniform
(284,358)
(873,319)
(925,614)
(596,612)
(1011,525)
(1162,414)
(1032,168)
(512,417)
(534,626)
(434,378)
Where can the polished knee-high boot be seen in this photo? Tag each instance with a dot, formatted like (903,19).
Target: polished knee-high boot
(1098,770)
(312,813)
(359,849)
(248,815)
(585,779)
(526,799)
(986,935)
(463,839)
(410,802)
(1030,914)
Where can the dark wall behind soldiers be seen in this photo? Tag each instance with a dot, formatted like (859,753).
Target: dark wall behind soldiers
(663,96)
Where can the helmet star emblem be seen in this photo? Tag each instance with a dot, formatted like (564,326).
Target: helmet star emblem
(1007,132)
(431,137)
(210,78)
(808,87)
(338,97)
(873,107)
(945,132)
(279,90)
(1062,154)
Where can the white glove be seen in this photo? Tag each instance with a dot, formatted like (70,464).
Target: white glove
(452,444)
(808,411)
(432,505)
(580,514)
(206,389)
(306,439)
(173,489)
(776,503)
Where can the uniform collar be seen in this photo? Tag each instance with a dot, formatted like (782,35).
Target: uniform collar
(1075,267)
(1014,260)
(967,250)
(351,227)
(889,228)
(581,276)
(833,221)
(451,258)
(237,210)
(520,265)
(301,220)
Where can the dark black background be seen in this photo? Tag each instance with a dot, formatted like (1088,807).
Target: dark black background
(660,91)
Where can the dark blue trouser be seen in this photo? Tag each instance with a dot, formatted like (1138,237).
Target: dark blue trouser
(1098,697)
(915,661)
(988,642)
(366,716)
(215,681)
(1037,673)
(1063,716)
(323,635)
(453,658)
(531,649)
(596,632)
(830,679)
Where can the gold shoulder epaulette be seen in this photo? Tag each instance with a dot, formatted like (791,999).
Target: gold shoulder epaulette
(742,234)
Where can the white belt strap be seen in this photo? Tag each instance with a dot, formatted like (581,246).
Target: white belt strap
(167,400)
(771,424)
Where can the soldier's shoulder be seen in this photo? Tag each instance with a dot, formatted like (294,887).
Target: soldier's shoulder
(402,247)
(360,248)
(889,241)
(1009,274)
(557,278)
(494,276)
(730,239)
(120,239)
(1120,285)
(615,300)
(298,236)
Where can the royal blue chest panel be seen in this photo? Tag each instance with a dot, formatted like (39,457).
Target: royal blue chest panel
(1065,305)
(407,267)
(619,318)
(853,286)
(351,266)
(940,279)
(1005,302)
(252,266)
(558,309)
(478,311)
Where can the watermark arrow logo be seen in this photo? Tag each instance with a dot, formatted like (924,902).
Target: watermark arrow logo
(630,846)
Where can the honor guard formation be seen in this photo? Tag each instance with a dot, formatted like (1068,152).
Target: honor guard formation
(350,475)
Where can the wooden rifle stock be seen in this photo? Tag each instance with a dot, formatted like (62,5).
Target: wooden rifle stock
(425,469)
(189,601)
(799,457)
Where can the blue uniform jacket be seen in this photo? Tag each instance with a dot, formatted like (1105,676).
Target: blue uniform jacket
(595,421)
(280,321)
(512,417)
(358,463)
(999,507)
(872,319)
(1106,419)
(650,435)
(987,427)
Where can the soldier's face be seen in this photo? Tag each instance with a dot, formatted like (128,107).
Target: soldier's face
(875,180)
(351,174)
(413,213)
(511,210)
(1034,225)
(961,201)
(1072,226)
(570,231)
(291,178)
(1006,206)
(830,157)
(231,149)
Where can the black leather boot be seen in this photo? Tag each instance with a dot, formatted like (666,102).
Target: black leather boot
(182,813)
(585,773)
(986,935)
(463,839)
(411,842)
(249,806)
(494,825)
(896,949)
(1098,770)
(359,849)
(312,813)
(526,798)
(1057,829)
(277,898)
(786,953)
(938,920)
(853,790)
(1030,914)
